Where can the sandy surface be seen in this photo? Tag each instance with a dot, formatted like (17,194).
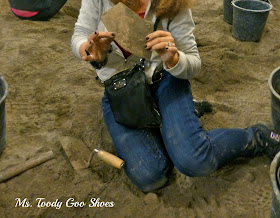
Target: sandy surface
(53,94)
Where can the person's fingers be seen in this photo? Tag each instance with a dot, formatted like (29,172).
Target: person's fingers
(98,55)
(88,45)
(104,44)
(160,43)
(101,40)
(97,45)
(88,58)
(97,37)
(107,35)
(158,46)
(87,53)
(93,36)
(172,50)
(156,34)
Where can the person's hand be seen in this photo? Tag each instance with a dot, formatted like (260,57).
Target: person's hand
(163,43)
(97,46)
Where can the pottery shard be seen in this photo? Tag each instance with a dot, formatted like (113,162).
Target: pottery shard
(130,29)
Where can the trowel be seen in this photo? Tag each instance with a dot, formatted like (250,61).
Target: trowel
(80,156)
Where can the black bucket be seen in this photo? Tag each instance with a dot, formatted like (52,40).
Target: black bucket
(275,179)
(249,19)
(3,95)
(228,10)
(274,86)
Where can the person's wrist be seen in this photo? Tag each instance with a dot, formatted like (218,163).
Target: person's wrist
(173,61)
(99,65)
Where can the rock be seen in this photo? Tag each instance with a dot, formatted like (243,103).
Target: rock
(56,176)
(250,177)
(76,150)
(151,199)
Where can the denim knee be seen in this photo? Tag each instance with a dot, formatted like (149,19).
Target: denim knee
(150,178)
(154,186)
(194,167)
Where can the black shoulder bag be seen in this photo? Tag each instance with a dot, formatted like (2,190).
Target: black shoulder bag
(130,98)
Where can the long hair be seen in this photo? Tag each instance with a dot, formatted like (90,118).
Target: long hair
(162,8)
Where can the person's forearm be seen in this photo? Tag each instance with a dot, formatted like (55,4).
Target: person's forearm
(173,61)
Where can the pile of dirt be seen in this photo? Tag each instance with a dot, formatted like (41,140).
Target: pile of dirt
(53,94)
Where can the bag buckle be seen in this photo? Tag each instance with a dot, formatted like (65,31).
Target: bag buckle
(142,63)
(120,83)
(157,77)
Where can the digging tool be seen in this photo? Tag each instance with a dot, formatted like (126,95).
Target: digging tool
(108,158)
(22,167)
(80,156)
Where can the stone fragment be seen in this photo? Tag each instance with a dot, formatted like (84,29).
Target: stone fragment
(130,29)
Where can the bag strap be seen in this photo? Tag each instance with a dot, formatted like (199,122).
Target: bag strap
(169,21)
(156,23)
(160,66)
(158,20)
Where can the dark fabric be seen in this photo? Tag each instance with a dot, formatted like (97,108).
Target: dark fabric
(130,97)
(149,154)
(31,5)
(131,100)
(3,93)
(47,8)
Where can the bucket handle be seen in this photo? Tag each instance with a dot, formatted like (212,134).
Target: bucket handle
(267,1)
(5,91)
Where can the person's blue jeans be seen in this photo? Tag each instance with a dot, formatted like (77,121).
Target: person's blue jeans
(150,154)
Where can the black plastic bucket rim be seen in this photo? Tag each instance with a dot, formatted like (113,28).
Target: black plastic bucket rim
(5,90)
(251,10)
(270,83)
(273,174)
(274,170)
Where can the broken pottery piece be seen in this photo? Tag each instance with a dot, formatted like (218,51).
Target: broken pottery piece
(130,29)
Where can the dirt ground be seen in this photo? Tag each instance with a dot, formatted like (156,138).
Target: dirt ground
(53,94)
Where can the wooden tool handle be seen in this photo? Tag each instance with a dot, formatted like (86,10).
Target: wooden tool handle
(110,159)
(22,167)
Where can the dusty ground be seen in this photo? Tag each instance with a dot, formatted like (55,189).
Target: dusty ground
(53,94)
